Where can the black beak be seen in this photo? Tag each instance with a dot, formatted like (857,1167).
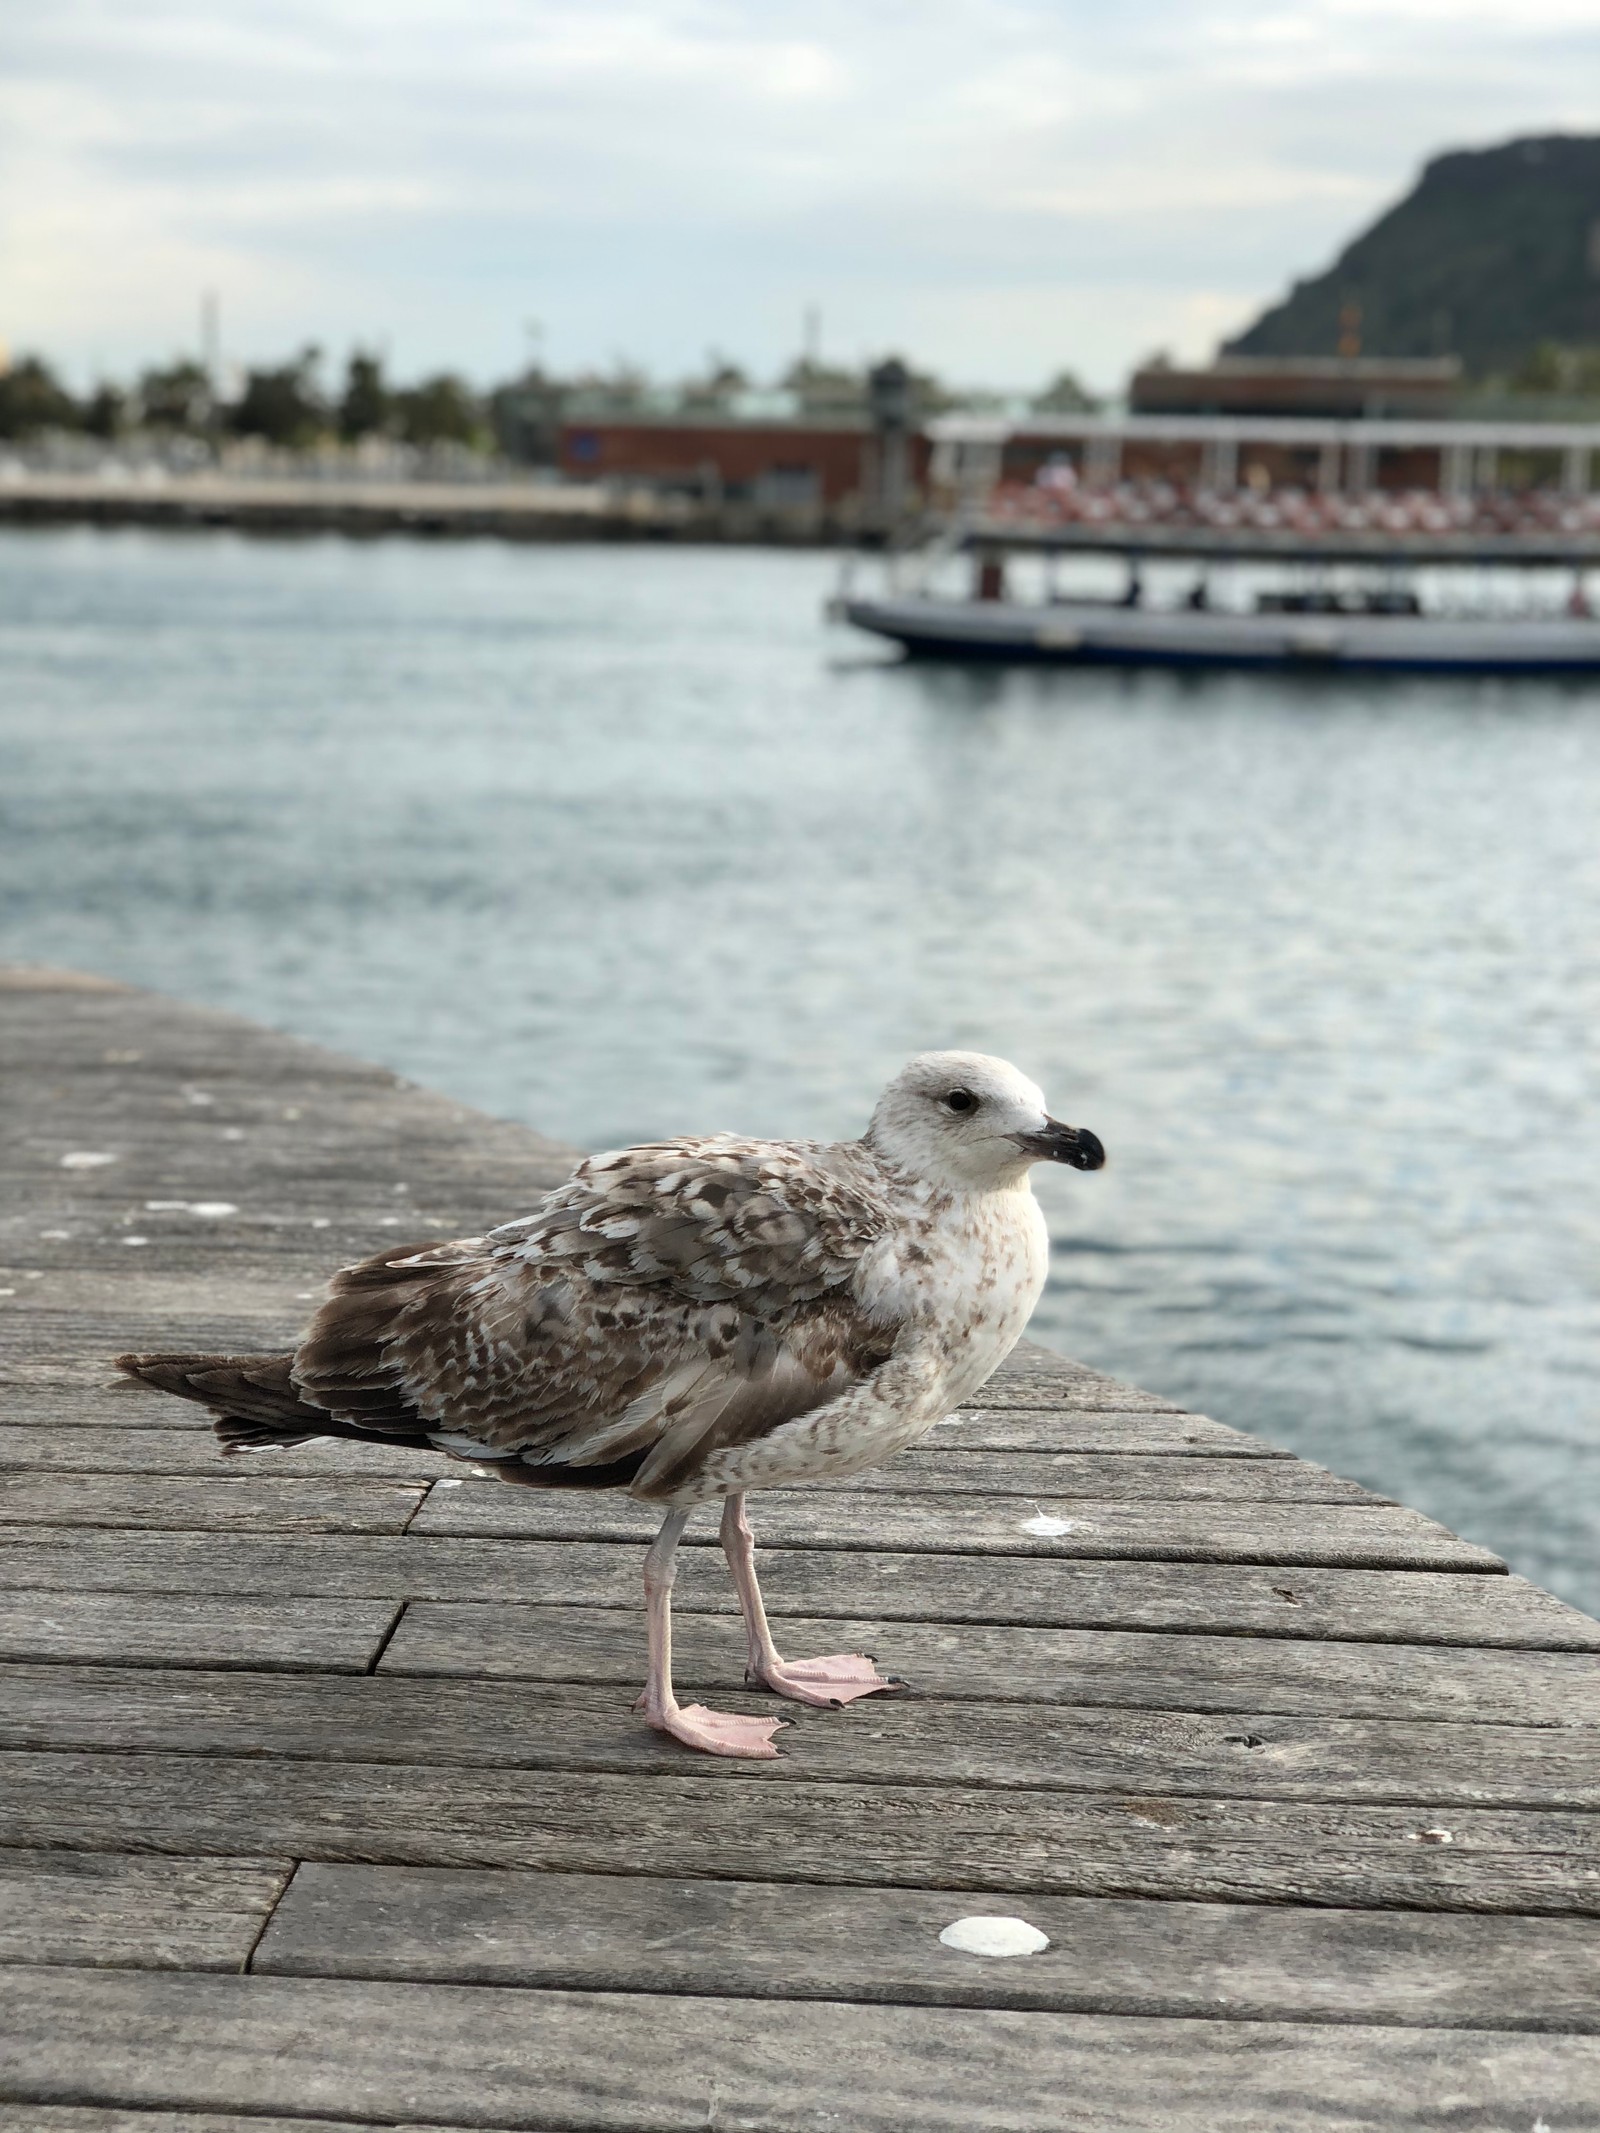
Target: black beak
(1063,1144)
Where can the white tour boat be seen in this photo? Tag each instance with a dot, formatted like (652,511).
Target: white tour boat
(1377,631)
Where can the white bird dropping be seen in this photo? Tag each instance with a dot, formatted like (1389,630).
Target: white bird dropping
(995,1936)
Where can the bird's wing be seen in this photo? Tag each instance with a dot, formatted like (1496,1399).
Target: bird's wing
(667,1302)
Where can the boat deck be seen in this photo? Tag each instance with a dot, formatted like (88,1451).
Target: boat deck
(324,1804)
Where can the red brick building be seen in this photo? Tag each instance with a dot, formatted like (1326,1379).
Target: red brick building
(774,465)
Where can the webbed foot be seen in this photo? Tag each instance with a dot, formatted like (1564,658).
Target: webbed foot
(719,1732)
(838,1679)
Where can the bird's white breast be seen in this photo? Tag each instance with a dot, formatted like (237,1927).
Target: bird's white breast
(958,1276)
(967,1270)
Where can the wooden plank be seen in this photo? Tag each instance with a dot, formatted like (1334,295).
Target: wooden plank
(1395,1606)
(144,1296)
(966,1662)
(496,2056)
(1086,1394)
(229,1502)
(75,2118)
(621,1933)
(1035,1376)
(204,1630)
(1350,1854)
(134,1911)
(1111,1429)
(90,1343)
(191,1452)
(64,1448)
(935,1468)
(396,1719)
(74,1390)
(1364,1536)
(58,1396)
(162,1046)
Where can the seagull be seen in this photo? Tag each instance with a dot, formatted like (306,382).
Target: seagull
(689,1320)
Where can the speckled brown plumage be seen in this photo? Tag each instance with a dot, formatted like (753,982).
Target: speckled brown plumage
(689,1320)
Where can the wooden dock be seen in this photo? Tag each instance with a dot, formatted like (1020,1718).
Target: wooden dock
(324,1806)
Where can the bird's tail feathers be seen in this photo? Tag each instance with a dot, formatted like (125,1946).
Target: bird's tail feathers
(251,1396)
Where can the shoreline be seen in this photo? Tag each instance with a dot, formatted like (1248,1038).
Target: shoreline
(503,510)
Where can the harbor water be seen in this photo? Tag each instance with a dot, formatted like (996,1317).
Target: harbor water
(626,842)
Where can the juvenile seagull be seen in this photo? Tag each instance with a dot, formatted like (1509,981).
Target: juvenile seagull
(690,1320)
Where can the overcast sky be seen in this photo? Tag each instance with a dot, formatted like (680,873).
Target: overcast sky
(997,187)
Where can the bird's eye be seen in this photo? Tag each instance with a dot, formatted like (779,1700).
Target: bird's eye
(961,1100)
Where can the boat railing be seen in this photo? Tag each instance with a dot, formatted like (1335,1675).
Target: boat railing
(1046,503)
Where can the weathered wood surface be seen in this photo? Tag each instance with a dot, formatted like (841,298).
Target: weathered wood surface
(116,1911)
(194,1454)
(243,1497)
(1373,1537)
(234,1502)
(187,1629)
(1090,1428)
(1135,1668)
(1034,1377)
(1138,1669)
(1401,1606)
(69,1392)
(619,1933)
(75,2118)
(1031,1476)
(401,1719)
(491,2056)
(1301,1787)
(705,1822)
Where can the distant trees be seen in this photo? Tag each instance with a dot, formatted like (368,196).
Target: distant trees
(1064,396)
(826,391)
(717,388)
(32,399)
(365,403)
(178,397)
(285,406)
(441,410)
(1556,370)
(622,390)
(526,414)
(823,389)
(107,412)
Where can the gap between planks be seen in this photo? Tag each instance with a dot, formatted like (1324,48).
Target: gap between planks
(398,1720)
(643,1934)
(403,2053)
(1348,1854)
(1359,1536)
(1106,1955)
(1158,1670)
(962,1470)
(1347,1605)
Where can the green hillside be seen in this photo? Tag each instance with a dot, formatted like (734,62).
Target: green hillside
(1494,253)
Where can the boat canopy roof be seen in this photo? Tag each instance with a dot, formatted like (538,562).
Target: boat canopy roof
(1378,432)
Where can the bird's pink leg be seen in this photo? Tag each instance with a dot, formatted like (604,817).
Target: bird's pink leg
(838,1679)
(717,1732)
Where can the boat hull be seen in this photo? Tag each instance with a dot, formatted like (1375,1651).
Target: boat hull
(1076,634)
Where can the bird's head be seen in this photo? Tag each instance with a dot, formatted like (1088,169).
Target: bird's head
(972,1123)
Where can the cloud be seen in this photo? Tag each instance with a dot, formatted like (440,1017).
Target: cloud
(1002,185)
